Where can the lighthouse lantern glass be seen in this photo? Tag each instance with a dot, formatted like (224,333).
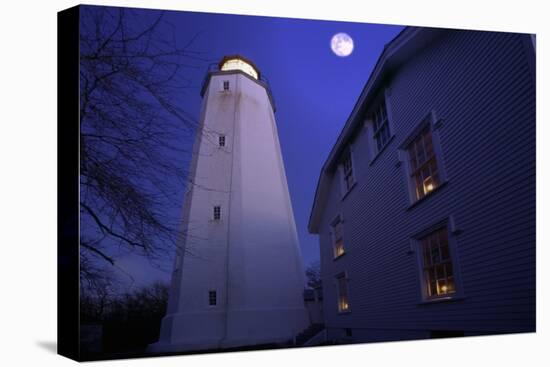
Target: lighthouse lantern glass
(238,64)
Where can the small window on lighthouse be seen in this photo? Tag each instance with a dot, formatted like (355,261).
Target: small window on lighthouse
(217,212)
(226,85)
(221,140)
(212,298)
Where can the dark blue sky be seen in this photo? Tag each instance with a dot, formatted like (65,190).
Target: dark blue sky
(314,90)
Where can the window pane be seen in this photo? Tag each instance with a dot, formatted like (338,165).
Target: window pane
(438,268)
(426,172)
(442,236)
(444,252)
(343,303)
(380,127)
(441,287)
(451,285)
(433,288)
(428,185)
(423,163)
(432,274)
(212,298)
(420,154)
(449,269)
(337,231)
(419,186)
(427,257)
(339,247)
(412,156)
(440,271)
(434,251)
(428,144)
(343,288)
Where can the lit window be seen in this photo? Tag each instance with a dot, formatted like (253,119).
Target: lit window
(437,266)
(381,127)
(221,140)
(347,171)
(337,237)
(423,165)
(226,85)
(343,297)
(217,212)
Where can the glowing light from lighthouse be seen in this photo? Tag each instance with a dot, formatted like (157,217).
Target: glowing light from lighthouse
(238,64)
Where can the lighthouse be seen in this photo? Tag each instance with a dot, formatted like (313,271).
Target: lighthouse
(238,277)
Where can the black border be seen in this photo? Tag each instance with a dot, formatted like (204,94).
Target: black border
(68,340)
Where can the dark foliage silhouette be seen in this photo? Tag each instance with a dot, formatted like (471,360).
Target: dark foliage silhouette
(313,275)
(129,322)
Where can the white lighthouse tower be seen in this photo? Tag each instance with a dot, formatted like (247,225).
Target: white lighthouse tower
(238,277)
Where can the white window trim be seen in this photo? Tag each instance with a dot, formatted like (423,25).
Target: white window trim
(344,191)
(403,155)
(416,244)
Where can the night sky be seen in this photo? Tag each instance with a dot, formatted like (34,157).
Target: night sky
(314,92)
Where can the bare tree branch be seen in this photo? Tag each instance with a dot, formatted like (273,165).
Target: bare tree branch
(134,133)
(98,252)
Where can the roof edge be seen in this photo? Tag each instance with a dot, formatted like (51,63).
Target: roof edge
(395,52)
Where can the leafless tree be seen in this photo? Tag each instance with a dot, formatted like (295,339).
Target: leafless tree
(133,133)
(313,274)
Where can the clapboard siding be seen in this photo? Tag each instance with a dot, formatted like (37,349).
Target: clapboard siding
(481,85)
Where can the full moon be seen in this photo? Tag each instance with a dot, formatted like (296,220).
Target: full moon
(341,44)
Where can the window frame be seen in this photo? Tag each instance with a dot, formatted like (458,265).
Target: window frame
(217,217)
(226,86)
(416,244)
(342,276)
(221,141)
(210,291)
(383,99)
(344,188)
(339,219)
(431,121)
